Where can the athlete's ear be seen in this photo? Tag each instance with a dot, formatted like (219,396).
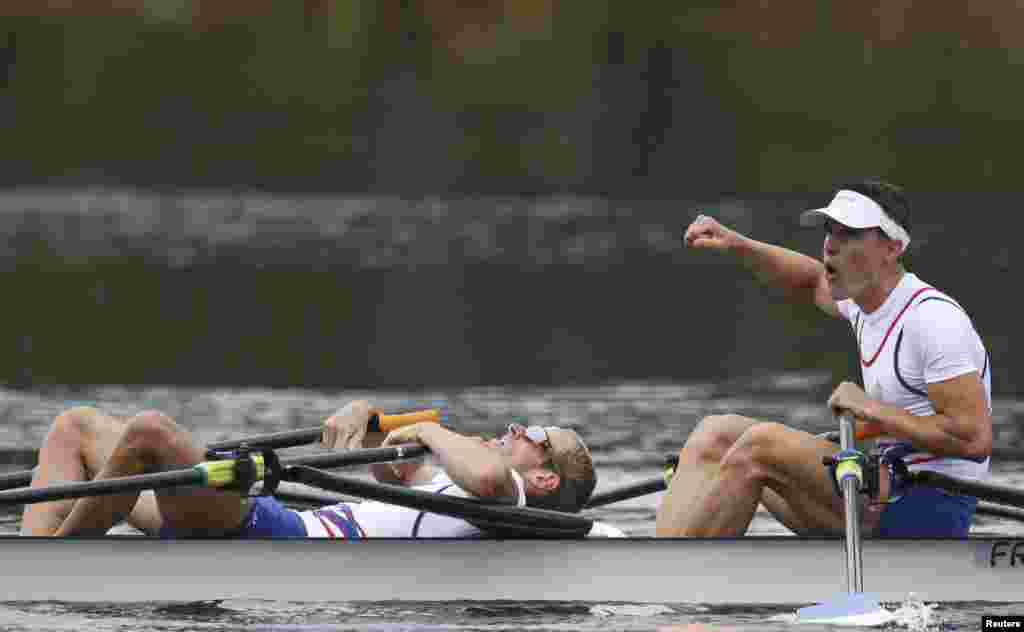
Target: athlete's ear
(542,480)
(894,249)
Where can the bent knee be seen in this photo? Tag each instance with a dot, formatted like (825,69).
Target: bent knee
(78,422)
(151,428)
(715,435)
(758,449)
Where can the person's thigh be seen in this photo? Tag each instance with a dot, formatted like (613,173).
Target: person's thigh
(197,509)
(798,489)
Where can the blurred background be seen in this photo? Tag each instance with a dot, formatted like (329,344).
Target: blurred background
(413,194)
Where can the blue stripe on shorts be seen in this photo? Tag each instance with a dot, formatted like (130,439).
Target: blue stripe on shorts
(927,513)
(267,518)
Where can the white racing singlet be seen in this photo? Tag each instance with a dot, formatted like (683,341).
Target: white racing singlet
(918,336)
(374,519)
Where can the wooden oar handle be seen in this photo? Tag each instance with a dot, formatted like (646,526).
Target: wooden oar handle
(387,423)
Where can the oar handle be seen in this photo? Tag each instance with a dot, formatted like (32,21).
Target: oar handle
(305,436)
(387,423)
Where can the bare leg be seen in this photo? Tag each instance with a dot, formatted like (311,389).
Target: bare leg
(152,442)
(769,463)
(79,442)
(698,468)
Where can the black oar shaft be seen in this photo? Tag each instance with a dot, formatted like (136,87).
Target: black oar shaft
(305,436)
(999,511)
(967,487)
(359,457)
(626,492)
(16,479)
(102,487)
(194,476)
(276,440)
(521,520)
(287,439)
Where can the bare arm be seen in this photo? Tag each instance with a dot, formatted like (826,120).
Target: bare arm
(961,426)
(802,278)
(471,465)
(346,429)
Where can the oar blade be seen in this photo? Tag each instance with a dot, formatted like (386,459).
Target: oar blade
(854,609)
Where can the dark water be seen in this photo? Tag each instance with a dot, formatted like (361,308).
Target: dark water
(251,616)
(630,426)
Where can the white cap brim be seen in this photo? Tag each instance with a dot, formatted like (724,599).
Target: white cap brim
(854,210)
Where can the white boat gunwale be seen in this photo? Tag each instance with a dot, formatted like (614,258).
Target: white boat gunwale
(744,570)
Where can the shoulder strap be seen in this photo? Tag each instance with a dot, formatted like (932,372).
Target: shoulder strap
(899,341)
(946,299)
(419,518)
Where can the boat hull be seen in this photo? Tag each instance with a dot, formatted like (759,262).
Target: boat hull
(778,570)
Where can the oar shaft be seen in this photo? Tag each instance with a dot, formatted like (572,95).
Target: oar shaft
(967,487)
(208,473)
(522,520)
(16,479)
(287,439)
(359,457)
(999,511)
(102,487)
(305,436)
(854,561)
(625,492)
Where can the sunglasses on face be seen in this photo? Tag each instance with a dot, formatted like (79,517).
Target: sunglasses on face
(537,435)
(837,230)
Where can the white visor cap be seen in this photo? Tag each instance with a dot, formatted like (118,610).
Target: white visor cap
(855,210)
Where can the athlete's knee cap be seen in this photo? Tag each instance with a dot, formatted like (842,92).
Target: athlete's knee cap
(150,428)
(713,436)
(75,421)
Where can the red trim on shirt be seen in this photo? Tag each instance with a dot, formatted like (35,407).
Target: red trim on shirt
(892,326)
(327,526)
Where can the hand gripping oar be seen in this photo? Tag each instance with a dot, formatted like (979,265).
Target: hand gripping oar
(276,440)
(981,490)
(223,473)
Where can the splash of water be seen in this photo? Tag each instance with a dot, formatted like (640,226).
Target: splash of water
(916,615)
(629,610)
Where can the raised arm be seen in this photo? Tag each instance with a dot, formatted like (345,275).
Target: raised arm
(802,278)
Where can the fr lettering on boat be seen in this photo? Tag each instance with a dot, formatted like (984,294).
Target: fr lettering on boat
(1007,553)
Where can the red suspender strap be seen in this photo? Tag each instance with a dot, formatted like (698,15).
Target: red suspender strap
(891,327)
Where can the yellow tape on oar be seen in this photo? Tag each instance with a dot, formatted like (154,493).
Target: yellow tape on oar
(222,473)
(850,467)
(387,423)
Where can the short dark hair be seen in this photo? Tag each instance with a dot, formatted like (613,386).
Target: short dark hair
(893,199)
(576,479)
